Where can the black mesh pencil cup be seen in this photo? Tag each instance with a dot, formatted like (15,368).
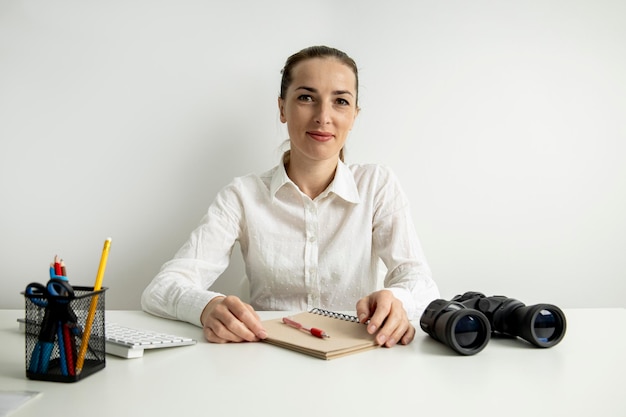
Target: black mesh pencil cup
(64,338)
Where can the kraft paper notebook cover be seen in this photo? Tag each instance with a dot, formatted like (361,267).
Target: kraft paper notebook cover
(347,335)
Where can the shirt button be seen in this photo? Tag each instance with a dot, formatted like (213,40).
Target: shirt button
(312,239)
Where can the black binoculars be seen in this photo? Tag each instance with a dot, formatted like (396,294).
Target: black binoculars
(467,322)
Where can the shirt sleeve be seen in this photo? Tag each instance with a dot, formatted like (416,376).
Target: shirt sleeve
(396,243)
(180,289)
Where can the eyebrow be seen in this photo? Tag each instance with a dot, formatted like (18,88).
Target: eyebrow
(336,92)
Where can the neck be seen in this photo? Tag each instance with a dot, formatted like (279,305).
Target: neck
(312,177)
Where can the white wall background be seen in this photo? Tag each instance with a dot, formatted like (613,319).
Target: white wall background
(505,121)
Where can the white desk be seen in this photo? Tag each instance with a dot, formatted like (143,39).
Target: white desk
(582,376)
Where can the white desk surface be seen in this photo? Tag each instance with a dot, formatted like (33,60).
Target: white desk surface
(582,376)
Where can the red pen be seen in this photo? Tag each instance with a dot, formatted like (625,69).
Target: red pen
(70,349)
(315,332)
(57,266)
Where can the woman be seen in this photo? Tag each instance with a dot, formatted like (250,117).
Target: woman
(311,230)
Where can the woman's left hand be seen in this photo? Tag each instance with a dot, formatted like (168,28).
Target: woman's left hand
(388,319)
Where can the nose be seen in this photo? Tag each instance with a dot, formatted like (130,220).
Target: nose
(322,116)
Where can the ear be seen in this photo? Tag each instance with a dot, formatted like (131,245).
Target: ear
(281,109)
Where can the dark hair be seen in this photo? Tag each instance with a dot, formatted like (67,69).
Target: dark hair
(315,52)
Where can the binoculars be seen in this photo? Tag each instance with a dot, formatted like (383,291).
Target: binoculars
(467,322)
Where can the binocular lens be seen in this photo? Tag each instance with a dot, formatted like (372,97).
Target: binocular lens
(467,330)
(545,325)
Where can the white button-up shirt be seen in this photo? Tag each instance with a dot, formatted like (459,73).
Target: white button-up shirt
(300,253)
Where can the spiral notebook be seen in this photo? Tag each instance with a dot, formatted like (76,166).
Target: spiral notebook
(347,335)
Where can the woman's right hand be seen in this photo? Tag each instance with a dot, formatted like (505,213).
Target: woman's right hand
(228,319)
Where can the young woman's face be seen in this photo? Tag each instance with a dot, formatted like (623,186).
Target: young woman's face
(319,108)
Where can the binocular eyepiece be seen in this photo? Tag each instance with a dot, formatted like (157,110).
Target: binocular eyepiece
(467,322)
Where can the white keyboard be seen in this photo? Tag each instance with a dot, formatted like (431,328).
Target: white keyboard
(128,342)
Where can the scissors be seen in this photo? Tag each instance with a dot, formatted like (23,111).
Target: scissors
(54,297)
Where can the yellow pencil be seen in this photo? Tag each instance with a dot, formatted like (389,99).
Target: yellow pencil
(92,308)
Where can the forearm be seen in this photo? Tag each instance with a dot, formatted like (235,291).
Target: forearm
(412,283)
(414,290)
(178,292)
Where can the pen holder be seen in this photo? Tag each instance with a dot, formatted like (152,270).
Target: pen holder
(56,337)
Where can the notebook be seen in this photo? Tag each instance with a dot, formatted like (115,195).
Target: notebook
(347,335)
(12,400)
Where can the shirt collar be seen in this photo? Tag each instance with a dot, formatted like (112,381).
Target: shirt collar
(279,178)
(343,185)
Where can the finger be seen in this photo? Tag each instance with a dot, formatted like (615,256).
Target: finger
(213,337)
(394,330)
(249,322)
(216,331)
(387,333)
(363,309)
(221,323)
(380,315)
(252,320)
(230,329)
(408,336)
(395,322)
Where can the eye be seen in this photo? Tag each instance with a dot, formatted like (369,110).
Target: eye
(305,97)
(343,102)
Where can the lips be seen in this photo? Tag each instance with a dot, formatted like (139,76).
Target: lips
(320,136)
